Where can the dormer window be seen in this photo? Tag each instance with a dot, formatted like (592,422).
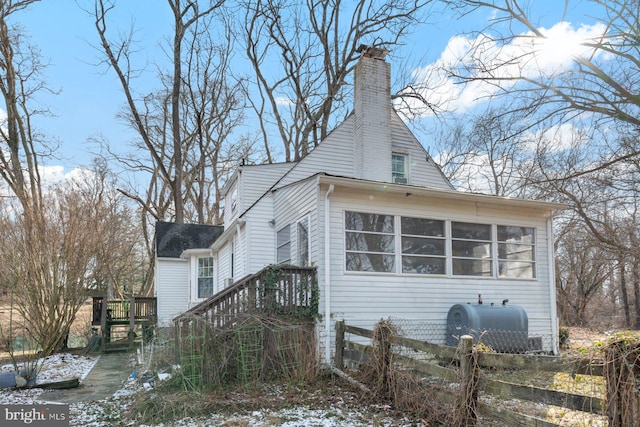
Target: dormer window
(399,168)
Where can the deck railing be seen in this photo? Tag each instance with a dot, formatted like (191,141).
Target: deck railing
(273,290)
(120,310)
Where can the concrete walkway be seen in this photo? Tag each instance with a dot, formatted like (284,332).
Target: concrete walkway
(107,376)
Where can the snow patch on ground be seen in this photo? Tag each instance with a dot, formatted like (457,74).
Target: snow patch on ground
(109,412)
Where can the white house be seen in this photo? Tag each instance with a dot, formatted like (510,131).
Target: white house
(389,235)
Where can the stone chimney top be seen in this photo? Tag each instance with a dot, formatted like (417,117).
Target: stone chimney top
(372,52)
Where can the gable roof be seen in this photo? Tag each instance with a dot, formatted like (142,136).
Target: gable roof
(173,238)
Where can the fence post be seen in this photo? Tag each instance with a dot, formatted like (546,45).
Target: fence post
(468,381)
(339,356)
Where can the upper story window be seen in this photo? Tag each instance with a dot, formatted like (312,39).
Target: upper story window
(205,277)
(399,168)
(283,245)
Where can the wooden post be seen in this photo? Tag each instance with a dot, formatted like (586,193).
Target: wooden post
(468,382)
(132,321)
(103,321)
(339,356)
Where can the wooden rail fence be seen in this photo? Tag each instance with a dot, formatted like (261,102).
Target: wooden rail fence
(356,353)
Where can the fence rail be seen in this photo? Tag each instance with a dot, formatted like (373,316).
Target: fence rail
(274,289)
(357,353)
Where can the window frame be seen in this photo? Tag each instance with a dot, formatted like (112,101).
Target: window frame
(199,269)
(280,245)
(492,252)
(405,167)
(374,257)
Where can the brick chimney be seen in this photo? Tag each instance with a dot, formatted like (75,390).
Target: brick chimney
(372,110)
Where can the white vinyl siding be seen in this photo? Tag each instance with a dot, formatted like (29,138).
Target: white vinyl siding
(172,288)
(422,170)
(296,202)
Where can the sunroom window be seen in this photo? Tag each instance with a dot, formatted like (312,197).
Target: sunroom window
(516,255)
(471,249)
(370,242)
(423,246)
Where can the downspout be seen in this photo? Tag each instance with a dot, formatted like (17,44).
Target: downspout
(327,276)
(236,250)
(552,287)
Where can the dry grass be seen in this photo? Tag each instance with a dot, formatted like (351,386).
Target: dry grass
(81,327)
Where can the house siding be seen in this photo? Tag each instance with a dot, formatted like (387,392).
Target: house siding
(251,182)
(261,246)
(363,299)
(422,170)
(333,156)
(293,203)
(172,288)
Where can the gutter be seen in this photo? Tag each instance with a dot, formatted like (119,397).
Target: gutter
(327,275)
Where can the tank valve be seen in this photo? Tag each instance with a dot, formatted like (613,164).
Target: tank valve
(505,301)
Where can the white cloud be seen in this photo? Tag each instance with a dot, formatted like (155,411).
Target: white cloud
(281,100)
(56,175)
(526,56)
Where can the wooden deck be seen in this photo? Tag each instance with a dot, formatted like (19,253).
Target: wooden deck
(119,312)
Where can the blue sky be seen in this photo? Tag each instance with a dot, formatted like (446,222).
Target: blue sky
(90,98)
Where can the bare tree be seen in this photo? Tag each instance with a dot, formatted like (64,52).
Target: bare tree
(600,85)
(21,69)
(302,55)
(161,118)
(51,262)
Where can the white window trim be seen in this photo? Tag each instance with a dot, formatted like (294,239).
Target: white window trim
(448,251)
(407,162)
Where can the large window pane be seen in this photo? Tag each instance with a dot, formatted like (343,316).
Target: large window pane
(422,246)
(471,249)
(471,267)
(422,227)
(359,221)
(464,230)
(423,265)
(370,242)
(370,262)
